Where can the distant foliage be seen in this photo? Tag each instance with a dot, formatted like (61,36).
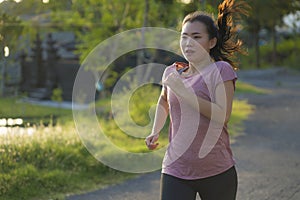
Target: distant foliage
(57,95)
(143,103)
(287,55)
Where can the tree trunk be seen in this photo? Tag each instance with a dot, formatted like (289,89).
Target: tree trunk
(257,49)
(141,53)
(2,83)
(274,51)
(2,86)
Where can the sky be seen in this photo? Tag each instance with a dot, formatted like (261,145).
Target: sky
(292,18)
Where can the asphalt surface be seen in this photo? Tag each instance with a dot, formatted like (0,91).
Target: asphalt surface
(267,152)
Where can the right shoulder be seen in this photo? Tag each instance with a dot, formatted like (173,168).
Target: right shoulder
(171,67)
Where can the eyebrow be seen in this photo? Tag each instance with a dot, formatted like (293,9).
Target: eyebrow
(195,33)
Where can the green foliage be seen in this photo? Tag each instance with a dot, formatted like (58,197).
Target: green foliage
(267,14)
(14,108)
(10,29)
(242,87)
(247,61)
(137,121)
(57,95)
(94,21)
(25,7)
(287,55)
(111,79)
(141,103)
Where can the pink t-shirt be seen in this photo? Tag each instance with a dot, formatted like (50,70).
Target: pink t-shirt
(198,147)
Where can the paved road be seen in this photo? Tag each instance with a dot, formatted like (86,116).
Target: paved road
(268,154)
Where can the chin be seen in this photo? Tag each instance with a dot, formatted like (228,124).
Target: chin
(192,60)
(196,58)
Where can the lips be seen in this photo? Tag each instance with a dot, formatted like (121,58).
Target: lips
(189,52)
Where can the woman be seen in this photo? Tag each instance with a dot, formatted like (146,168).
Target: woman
(198,97)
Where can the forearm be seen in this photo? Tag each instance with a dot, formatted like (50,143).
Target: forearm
(209,109)
(219,110)
(161,115)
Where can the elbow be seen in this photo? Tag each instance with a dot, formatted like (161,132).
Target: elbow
(164,104)
(227,118)
(222,118)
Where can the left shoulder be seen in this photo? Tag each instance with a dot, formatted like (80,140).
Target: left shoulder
(225,71)
(223,65)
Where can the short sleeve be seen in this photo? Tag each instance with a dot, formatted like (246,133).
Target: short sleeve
(167,71)
(226,73)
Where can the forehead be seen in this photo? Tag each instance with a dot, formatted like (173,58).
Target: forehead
(193,27)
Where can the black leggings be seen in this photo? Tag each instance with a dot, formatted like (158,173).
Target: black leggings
(220,187)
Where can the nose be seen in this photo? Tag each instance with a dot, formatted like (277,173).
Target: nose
(189,42)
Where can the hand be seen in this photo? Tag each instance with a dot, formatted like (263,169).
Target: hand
(174,81)
(151,141)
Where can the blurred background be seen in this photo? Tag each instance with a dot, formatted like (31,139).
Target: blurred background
(43,43)
(42,40)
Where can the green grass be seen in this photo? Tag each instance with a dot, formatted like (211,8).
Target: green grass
(50,162)
(242,87)
(32,114)
(241,110)
(53,162)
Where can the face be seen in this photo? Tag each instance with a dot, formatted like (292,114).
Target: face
(194,42)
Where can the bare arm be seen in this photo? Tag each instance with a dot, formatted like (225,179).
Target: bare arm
(161,115)
(219,111)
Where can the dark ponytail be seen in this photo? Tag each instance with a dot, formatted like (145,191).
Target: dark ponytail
(224,30)
(228,42)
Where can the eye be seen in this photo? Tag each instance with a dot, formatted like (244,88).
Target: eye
(197,37)
(183,37)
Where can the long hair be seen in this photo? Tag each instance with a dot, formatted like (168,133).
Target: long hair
(224,29)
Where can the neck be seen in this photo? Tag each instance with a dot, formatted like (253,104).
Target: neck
(199,66)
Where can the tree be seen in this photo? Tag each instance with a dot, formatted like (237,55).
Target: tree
(254,24)
(96,20)
(268,14)
(274,11)
(10,29)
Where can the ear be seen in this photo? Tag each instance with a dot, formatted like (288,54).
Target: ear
(212,42)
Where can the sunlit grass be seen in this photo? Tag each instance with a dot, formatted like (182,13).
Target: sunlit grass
(242,87)
(241,110)
(12,107)
(52,159)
